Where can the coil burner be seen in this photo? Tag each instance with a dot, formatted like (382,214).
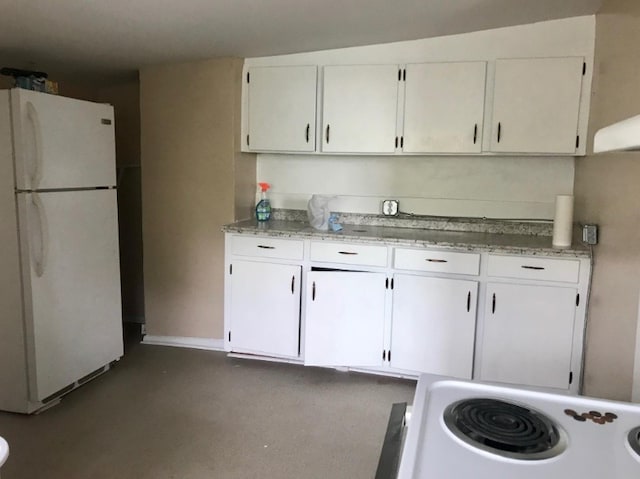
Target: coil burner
(506,429)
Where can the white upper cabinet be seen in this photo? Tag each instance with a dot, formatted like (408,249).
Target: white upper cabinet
(281,109)
(536,105)
(360,106)
(444,107)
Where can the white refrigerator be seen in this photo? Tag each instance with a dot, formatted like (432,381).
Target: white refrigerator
(60,304)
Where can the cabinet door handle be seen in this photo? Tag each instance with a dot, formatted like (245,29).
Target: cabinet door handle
(313,291)
(435,260)
(307,134)
(261,246)
(350,253)
(469,301)
(493,304)
(499,131)
(475,133)
(293,283)
(327,134)
(537,268)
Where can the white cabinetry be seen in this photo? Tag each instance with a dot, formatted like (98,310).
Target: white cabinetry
(262,295)
(344,321)
(536,105)
(529,326)
(281,109)
(360,105)
(265,308)
(444,107)
(433,326)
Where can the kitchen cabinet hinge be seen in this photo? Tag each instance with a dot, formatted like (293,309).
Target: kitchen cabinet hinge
(248,77)
(578,141)
(577,299)
(584,68)
(570,377)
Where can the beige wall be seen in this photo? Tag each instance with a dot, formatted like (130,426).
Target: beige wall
(607,190)
(190,188)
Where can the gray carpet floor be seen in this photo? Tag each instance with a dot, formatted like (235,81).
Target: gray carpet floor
(186,414)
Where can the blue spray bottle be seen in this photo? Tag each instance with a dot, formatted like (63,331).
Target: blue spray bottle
(263,208)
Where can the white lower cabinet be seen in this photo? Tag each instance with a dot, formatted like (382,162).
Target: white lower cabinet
(265,308)
(528,333)
(433,325)
(406,311)
(344,318)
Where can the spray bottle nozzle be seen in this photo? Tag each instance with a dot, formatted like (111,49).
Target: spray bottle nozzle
(264,186)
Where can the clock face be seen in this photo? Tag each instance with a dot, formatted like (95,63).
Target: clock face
(390,207)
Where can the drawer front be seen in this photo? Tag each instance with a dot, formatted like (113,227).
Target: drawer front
(265,247)
(358,254)
(437,261)
(525,267)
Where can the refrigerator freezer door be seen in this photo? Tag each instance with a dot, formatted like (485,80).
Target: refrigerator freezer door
(62,142)
(71,276)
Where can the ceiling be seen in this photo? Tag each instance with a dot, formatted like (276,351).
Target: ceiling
(120,36)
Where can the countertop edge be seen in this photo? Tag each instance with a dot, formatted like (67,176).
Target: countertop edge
(304,232)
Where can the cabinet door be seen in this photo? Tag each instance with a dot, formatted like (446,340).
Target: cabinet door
(528,335)
(344,322)
(444,107)
(360,108)
(281,108)
(265,308)
(433,325)
(536,105)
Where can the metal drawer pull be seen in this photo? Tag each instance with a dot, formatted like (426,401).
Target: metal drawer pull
(351,253)
(261,246)
(432,260)
(537,268)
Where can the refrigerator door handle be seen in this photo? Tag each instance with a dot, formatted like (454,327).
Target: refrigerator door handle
(36,162)
(38,239)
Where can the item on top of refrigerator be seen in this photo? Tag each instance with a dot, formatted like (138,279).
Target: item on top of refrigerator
(263,208)
(27,79)
(318,211)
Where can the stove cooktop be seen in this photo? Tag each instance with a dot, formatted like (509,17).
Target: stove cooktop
(470,429)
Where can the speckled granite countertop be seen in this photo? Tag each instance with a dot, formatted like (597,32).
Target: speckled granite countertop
(532,241)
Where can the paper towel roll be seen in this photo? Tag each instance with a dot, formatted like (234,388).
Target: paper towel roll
(563,221)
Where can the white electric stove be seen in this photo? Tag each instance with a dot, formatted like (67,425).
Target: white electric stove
(468,429)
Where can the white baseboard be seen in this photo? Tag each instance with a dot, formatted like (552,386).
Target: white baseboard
(185,342)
